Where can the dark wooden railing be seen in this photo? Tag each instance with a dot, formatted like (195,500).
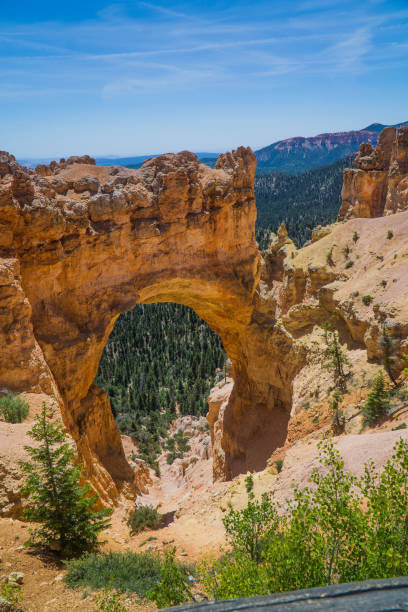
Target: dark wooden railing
(371,596)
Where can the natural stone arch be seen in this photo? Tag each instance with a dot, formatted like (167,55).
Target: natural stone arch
(92,242)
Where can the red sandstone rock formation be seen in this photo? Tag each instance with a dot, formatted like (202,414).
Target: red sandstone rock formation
(379,184)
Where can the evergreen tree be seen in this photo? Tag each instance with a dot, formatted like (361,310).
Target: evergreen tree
(57,501)
(388,348)
(337,359)
(338,419)
(377,401)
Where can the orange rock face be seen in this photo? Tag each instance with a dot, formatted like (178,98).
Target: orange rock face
(80,244)
(379,184)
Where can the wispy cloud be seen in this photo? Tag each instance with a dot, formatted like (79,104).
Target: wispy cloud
(173,78)
(349,53)
(115,50)
(164,11)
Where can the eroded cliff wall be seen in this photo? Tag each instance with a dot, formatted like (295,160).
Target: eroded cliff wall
(379,184)
(80,244)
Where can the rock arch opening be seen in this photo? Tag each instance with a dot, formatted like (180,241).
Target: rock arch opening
(160,362)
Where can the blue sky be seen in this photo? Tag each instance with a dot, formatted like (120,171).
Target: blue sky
(146,77)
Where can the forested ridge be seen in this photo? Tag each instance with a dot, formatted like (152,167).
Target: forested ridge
(302,201)
(162,359)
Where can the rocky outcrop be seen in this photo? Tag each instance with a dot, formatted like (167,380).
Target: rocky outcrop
(379,184)
(81,244)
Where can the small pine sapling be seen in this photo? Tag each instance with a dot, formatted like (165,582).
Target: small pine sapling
(249,486)
(377,402)
(327,328)
(355,237)
(329,257)
(389,348)
(63,508)
(337,359)
(338,420)
(279,465)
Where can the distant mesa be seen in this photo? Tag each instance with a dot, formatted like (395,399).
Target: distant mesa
(300,154)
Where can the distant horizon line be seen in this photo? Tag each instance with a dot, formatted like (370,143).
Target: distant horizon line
(214,154)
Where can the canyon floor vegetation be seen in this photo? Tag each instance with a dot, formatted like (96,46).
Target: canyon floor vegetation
(13,409)
(339,528)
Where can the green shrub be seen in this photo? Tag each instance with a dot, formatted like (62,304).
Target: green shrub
(355,237)
(137,572)
(367,299)
(12,593)
(390,234)
(329,257)
(249,483)
(377,402)
(172,588)
(13,409)
(400,393)
(400,426)
(350,263)
(338,419)
(383,283)
(110,601)
(144,517)
(247,529)
(341,529)
(279,465)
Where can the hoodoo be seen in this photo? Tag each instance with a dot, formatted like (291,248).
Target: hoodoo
(379,184)
(80,244)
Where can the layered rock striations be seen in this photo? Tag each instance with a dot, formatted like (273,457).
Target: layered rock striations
(379,184)
(80,244)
